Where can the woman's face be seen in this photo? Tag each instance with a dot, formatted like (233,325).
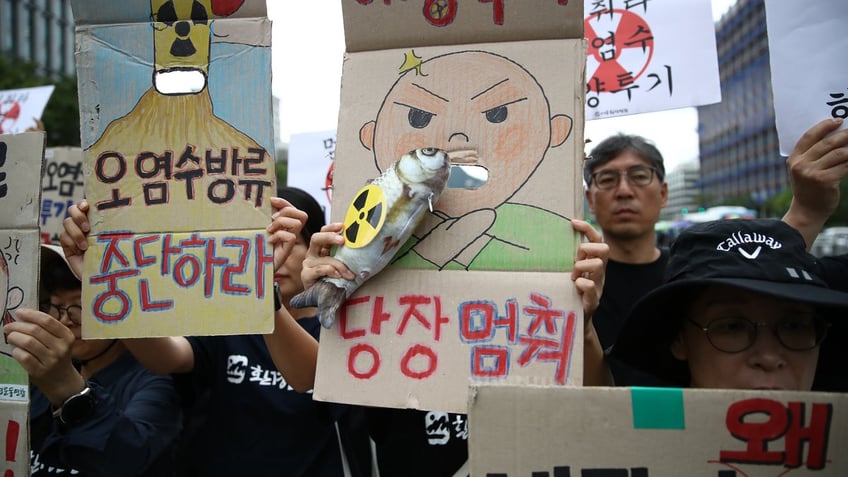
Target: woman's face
(766,363)
(288,275)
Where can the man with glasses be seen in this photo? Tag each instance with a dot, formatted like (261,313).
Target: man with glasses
(624,177)
(742,308)
(94,410)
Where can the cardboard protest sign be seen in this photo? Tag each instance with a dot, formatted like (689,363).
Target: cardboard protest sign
(656,432)
(21,158)
(808,85)
(481,291)
(311,165)
(649,56)
(61,187)
(175,107)
(20,108)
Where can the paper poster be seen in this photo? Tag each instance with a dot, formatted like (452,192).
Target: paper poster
(646,56)
(311,166)
(175,107)
(655,432)
(20,108)
(61,187)
(481,291)
(808,79)
(21,158)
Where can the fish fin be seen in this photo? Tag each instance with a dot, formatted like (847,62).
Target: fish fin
(326,296)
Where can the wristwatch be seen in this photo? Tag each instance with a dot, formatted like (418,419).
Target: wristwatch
(76,408)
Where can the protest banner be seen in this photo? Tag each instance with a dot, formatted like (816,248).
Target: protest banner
(175,109)
(21,158)
(482,290)
(655,432)
(20,108)
(649,56)
(807,84)
(311,166)
(61,187)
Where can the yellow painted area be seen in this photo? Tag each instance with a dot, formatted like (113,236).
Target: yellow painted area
(205,283)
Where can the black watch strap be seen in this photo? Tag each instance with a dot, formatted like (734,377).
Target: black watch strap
(76,408)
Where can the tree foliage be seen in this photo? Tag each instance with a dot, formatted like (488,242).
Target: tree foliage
(61,116)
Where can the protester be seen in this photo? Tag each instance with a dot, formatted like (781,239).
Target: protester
(413,442)
(257,418)
(94,410)
(626,191)
(742,308)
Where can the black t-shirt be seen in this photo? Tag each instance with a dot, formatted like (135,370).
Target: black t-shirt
(413,443)
(624,285)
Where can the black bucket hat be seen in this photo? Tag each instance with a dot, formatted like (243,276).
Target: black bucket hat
(763,256)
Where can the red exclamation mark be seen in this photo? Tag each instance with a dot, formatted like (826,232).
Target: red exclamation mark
(12,431)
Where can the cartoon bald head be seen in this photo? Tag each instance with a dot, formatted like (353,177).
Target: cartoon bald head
(469,100)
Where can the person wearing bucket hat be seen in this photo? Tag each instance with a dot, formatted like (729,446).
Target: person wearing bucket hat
(94,410)
(741,307)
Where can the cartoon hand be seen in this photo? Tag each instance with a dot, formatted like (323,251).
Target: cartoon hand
(452,237)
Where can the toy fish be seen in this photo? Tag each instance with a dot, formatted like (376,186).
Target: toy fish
(379,220)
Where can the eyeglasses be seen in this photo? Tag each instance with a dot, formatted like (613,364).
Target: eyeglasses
(608,179)
(734,335)
(73,312)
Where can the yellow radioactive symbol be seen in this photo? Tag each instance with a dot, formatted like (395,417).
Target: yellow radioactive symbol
(365,216)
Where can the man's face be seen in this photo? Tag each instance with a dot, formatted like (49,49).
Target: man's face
(766,364)
(627,211)
(468,101)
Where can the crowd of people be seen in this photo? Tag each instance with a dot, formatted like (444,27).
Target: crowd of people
(730,304)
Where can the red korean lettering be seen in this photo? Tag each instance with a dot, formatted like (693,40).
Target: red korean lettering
(227,284)
(112,292)
(497,11)
(428,355)
(346,333)
(782,421)
(489,362)
(355,352)
(378,316)
(148,304)
(112,251)
(264,258)
(412,304)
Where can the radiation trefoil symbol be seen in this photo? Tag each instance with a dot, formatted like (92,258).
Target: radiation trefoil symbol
(365,216)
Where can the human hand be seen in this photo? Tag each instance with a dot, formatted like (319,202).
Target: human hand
(318,262)
(817,165)
(42,346)
(589,269)
(286,224)
(74,237)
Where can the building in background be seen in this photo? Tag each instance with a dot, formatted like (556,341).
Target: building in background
(39,31)
(739,154)
(683,193)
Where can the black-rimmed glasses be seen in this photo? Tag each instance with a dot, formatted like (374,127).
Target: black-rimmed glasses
(608,179)
(73,312)
(734,335)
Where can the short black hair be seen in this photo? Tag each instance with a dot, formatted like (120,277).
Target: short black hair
(613,146)
(305,202)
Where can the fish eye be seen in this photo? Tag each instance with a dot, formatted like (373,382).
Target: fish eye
(429,151)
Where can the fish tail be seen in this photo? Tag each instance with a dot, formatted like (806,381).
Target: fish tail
(326,296)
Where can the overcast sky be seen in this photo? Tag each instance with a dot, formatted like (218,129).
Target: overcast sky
(307,52)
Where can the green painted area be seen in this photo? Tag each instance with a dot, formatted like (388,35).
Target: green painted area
(657,408)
